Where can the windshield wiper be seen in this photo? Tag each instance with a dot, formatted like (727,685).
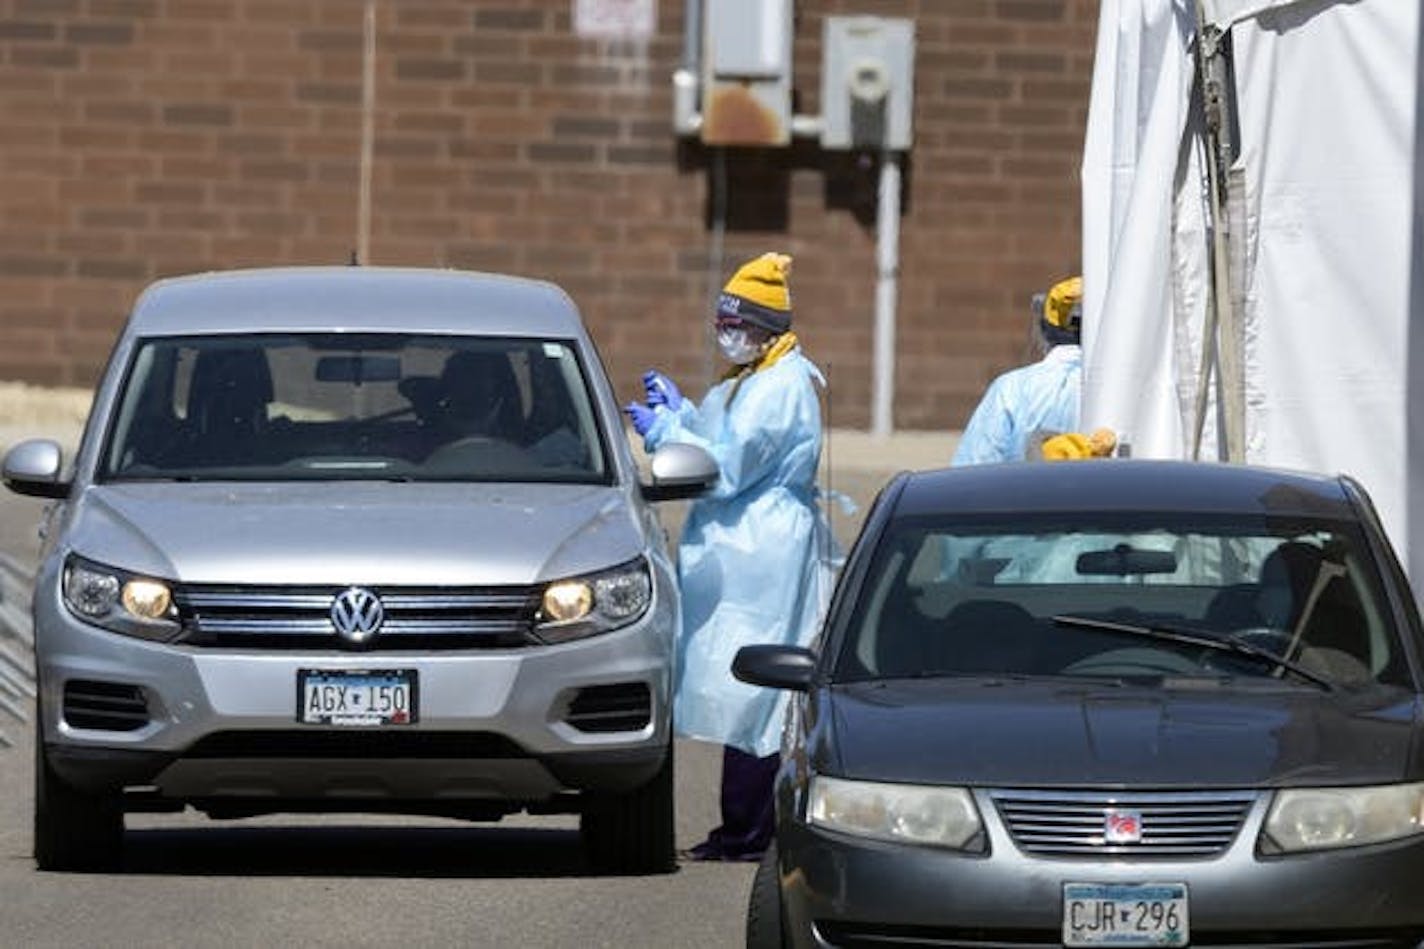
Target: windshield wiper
(1221,642)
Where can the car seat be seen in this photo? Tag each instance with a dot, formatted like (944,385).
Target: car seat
(479,396)
(976,637)
(228,396)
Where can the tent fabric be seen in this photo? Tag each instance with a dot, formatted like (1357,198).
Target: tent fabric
(1137,114)
(1326,104)
(1224,13)
(1328,171)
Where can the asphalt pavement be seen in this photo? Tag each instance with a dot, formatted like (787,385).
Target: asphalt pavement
(354,881)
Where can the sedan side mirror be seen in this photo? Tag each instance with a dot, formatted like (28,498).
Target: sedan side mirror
(33,467)
(776,667)
(679,472)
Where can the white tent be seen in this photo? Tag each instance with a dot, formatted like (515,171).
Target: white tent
(1320,227)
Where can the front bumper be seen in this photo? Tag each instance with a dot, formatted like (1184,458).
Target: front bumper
(492,725)
(843,890)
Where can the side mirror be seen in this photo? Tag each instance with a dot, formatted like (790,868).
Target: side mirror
(776,667)
(33,467)
(679,472)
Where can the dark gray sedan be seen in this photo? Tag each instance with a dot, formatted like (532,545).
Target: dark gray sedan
(1117,703)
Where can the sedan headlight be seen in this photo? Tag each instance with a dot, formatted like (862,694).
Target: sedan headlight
(120,601)
(597,603)
(909,813)
(1324,818)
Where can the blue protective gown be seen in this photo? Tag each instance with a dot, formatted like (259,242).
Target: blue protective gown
(1042,396)
(754,561)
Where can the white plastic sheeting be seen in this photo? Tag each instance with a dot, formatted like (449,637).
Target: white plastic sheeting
(1223,13)
(1327,92)
(1136,119)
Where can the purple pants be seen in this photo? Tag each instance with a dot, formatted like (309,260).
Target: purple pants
(748,808)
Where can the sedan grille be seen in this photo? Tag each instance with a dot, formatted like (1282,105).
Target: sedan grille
(1167,824)
(414,618)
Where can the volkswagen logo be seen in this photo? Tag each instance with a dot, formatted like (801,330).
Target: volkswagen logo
(357,614)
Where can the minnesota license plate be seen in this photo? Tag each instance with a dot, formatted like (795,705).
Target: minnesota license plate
(1125,914)
(359,697)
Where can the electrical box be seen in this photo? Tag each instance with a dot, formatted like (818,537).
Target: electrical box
(867,83)
(746,72)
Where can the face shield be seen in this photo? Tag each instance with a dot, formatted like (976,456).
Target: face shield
(740,342)
(1038,343)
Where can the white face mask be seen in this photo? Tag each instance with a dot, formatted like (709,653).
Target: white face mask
(736,345)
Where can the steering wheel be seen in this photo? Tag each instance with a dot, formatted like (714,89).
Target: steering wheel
(1134,661)
(1268,639)
(1271,639)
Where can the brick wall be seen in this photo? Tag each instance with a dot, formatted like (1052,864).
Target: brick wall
(145,138)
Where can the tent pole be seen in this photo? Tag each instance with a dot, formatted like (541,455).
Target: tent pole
(1222,334)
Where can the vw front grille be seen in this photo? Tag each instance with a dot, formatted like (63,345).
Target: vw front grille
(1074,824)
(300,618)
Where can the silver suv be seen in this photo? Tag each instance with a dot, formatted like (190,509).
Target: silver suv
(354,539)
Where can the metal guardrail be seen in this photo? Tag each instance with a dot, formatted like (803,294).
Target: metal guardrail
(17,669)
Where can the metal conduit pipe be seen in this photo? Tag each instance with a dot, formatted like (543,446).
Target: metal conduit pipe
(887,263)
(686,119)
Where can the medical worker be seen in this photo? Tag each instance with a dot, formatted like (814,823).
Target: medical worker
(755,552)
(1041,397)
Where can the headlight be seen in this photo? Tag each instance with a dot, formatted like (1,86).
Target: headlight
(119,601)
(597,603)
(1322,818)
(909,813)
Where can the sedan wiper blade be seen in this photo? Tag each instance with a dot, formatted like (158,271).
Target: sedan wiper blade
(1221,642)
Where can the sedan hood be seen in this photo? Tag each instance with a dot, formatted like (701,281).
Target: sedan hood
(979,732)
(357,533)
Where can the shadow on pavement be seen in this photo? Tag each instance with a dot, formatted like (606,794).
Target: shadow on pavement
(356,851)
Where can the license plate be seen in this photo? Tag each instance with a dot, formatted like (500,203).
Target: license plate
(1125,914)
(360,698)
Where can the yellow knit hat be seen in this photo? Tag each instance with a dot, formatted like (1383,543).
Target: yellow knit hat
(1063,307)
(758,294)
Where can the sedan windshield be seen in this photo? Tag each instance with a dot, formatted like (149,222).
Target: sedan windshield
(1125,597)
(354,407)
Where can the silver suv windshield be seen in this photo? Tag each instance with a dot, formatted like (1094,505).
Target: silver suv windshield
(343,406)
(1125,596)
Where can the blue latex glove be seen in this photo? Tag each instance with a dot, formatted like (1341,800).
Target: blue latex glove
(661,390)
(641,415)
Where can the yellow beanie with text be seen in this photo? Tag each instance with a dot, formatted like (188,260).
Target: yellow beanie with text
(758,293)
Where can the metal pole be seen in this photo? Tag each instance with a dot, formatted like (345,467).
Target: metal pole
(887,260)
(1222,324)
(368,127)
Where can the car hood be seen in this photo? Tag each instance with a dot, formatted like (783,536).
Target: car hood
(979,732)
(357,533)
